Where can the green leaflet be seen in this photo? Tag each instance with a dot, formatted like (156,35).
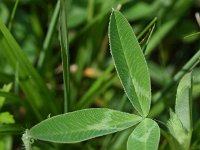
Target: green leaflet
(183,101)
(82,125)
(145,136)
(130,63)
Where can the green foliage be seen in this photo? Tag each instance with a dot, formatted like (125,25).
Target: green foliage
(183,103)
(145,136)
(130,63)
(38,37)
(85,124)
(82,125)
(65,53)
(5,117)
(5,88)
(177,130)
(180,123)
(30,81)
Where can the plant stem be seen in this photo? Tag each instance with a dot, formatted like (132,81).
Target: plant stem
(13,15)
(65,53)
(49,36)
(147,28)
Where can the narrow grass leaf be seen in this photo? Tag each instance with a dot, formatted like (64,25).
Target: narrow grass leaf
(179,7)
(65,53)
(83,125)
(10,129)
(13,15)
(13,99)
(31,83)
(130,63)
(145,136)
(49,36)
(183,101)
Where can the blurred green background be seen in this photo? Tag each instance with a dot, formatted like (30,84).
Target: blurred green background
(31,66)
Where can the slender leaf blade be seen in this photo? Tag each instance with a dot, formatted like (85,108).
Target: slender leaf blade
(30,81)
(83,125)
(183,101)
(6,129)
(65,53)
(145,136)
(130,63)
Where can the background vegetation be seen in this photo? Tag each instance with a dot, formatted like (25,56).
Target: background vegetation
(32,75)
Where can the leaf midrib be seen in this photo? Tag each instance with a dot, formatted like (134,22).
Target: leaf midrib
(82,129)
(128,72)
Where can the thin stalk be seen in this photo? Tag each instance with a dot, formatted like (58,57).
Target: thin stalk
(13,15)
(147,28)
(192,35)
(185,69)
(90,10)
(179,8)
(65,53)
(49,36)
(148,38)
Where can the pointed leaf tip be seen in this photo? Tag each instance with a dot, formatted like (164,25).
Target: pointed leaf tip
(130,63)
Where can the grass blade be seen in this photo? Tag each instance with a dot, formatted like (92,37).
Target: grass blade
(11,129)
(180,7)
(13,14)
(31,83)
(49,36)
(83,125)
(65,53)
(130,63)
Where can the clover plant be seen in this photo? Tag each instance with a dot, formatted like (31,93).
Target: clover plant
(131,67)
